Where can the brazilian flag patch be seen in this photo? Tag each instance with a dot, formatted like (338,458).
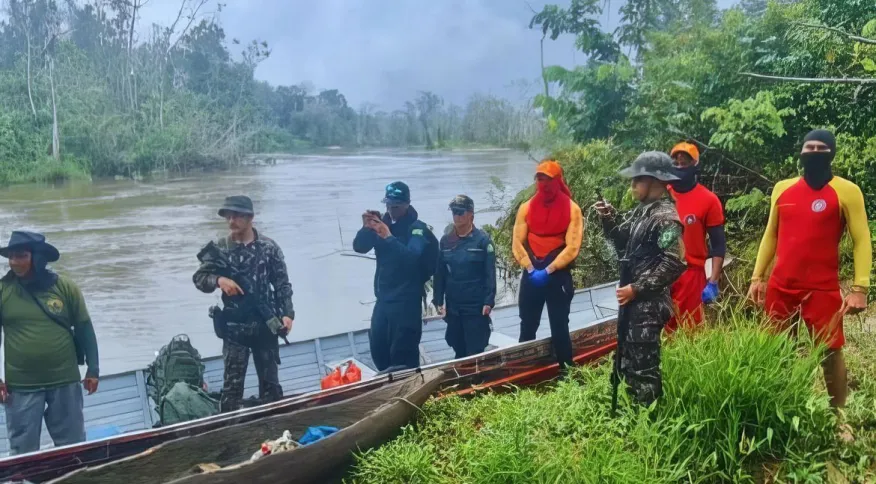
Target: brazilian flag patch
(417,232)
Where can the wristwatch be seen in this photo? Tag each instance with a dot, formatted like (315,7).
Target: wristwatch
(861,289)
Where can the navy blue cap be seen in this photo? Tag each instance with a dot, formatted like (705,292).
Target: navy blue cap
(397,192)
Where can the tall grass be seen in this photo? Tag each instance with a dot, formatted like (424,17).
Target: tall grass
(740,402)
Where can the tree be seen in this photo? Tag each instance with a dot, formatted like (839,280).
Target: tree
(426,105)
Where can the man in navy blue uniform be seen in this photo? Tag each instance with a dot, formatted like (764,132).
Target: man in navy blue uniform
(466,278)
(406,252)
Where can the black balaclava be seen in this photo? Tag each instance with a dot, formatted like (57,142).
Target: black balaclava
(816,164)
(42,278)
(687,179)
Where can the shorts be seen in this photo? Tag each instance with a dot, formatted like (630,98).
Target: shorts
(820,311)
(687,297)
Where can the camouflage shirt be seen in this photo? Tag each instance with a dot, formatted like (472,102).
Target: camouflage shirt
(650,236)
(263,262)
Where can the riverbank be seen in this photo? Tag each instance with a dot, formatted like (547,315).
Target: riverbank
(51,171)
(740,405)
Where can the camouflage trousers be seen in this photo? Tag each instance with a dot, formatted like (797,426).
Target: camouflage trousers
(236,357)
(640,355)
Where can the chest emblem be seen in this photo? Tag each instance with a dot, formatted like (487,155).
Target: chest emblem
(690,219)
(55,305)
(819,205)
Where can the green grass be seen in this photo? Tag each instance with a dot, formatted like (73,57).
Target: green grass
(741,404)
(46,170)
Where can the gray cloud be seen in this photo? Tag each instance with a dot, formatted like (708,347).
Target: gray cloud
(384,51)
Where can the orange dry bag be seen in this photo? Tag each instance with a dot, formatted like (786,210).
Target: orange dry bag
(332,380)
(353,374)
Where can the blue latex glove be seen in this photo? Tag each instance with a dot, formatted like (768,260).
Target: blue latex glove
(710,293)
(539,278)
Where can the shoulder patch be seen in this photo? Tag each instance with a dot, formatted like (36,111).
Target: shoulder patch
(417,232)
(669,236)
(490,248)
(55,305)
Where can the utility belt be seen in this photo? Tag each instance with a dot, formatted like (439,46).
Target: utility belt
(239,323)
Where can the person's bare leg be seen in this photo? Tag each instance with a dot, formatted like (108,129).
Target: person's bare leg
(835,378)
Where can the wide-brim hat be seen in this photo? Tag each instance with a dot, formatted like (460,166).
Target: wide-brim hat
(655,164)
(21,239)
(238,204)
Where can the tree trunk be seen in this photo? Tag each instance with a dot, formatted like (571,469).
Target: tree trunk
(429,145)
(161,103)
(56,135)
(29,79)
(129,70)
(543,76)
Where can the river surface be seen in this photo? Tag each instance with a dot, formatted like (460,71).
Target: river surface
(131,246)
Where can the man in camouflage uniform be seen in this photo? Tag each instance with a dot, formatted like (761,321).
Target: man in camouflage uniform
(249,320)
(649,237)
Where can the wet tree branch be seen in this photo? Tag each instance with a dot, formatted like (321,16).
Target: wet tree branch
(811,80)
(842,32)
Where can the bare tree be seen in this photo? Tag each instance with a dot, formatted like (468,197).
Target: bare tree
(53,27)
(188,11)
(20,13)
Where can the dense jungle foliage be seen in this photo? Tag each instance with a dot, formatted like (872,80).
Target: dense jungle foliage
(684,70)
(83,92)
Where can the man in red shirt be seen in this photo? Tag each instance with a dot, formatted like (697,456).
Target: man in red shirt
(808,217)
(701,215)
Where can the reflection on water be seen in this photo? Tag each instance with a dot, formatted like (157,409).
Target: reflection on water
(131,246)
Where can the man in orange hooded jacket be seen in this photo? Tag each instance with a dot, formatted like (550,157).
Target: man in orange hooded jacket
(547,237)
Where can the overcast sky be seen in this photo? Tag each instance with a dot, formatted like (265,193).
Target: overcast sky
(384,51)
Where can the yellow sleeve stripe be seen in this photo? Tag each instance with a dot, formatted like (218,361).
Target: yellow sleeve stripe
(855,213)
(574,235)
(521,230)
(767,250)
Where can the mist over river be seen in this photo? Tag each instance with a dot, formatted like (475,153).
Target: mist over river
(131,246)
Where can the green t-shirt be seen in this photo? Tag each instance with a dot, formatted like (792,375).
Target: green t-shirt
(39,352)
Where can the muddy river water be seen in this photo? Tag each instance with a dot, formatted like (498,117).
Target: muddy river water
(131,245)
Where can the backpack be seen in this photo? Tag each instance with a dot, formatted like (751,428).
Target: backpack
(178,361)
(185,402)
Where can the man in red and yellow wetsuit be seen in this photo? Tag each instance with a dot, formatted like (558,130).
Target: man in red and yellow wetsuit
(547,238)
(808,217)
(702,215)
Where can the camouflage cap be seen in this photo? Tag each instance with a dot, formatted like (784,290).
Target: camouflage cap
(462,202)
(655,164)
(237,204)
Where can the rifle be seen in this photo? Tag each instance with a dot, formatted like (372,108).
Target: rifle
(623,324)
(249,301)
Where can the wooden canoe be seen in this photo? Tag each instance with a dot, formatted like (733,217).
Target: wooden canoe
(46,465)
(366,420)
